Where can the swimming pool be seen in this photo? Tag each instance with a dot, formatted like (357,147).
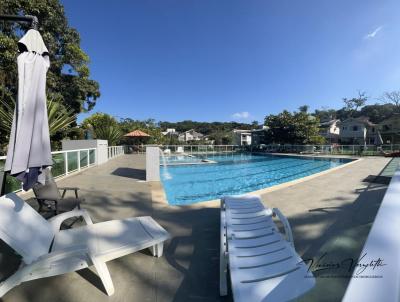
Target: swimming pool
(237,174)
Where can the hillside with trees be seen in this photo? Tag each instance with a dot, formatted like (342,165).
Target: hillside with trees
(385,107)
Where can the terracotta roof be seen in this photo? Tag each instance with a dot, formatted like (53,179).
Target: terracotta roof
(137,133)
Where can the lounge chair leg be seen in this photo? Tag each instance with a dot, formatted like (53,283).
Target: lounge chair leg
(223,288)
(104,275)
(160,248)
(157,250)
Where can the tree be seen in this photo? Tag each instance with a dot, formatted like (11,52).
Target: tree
(377,112)
(353,104)
(392,97)
(254,124)
(148,126)
(103,126)
(59,118)
(292,128)
(325,114)
(304,108)
(68,76)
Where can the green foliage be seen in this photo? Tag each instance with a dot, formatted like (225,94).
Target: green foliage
(59,116)
(222,137)
(148,126)
(354,103)
(103,126)
(292,128)
(98,119)
(68,76)
(304,108)
(60,119)
(111,133)
(206,128)
(376,113)
(325,114)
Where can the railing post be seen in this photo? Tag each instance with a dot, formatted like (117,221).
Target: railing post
(66,162)
(88,158)
(79,160)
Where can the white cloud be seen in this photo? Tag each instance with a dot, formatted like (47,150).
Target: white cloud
(241,115)
(372,34)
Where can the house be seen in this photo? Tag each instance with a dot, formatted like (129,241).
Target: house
(241,137)
(330,130)
(390,130)
(190,135)
(357,131)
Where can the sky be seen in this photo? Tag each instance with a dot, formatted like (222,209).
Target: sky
(229,60)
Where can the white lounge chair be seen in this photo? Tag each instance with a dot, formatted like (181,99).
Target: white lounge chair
(48,251)
(180,150)
(263,265)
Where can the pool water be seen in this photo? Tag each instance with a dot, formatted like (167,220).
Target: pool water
(181,159)
(237,174)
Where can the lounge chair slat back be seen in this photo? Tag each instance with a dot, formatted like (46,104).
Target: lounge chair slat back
(263,265)
(23,229)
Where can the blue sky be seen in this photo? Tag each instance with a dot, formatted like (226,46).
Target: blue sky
(222,60)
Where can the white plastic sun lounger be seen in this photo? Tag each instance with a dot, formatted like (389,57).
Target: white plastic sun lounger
(48,251)
(180,150)
(263,265)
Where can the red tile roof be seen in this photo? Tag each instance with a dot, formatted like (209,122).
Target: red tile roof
(137,133)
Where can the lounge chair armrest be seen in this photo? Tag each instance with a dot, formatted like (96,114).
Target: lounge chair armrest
(57,220)
(286,225)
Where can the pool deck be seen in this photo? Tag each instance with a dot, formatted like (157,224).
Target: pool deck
(331,214)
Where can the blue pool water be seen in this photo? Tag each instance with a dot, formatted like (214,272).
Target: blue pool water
(237,174)
(181,159)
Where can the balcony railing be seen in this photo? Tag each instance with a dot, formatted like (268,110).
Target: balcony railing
(64,163)
(360,150)
(114,151)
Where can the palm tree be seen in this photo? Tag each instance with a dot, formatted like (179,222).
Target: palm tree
(60,117)
(112,133)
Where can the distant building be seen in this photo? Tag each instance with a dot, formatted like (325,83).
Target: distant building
(390,130)
(357,131)
(190,135)
(242,137)
(330,130)
(170,131)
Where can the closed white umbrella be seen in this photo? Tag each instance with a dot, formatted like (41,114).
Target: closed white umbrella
(29,149)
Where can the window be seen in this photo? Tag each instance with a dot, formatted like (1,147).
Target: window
(355,128)
(344,128)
